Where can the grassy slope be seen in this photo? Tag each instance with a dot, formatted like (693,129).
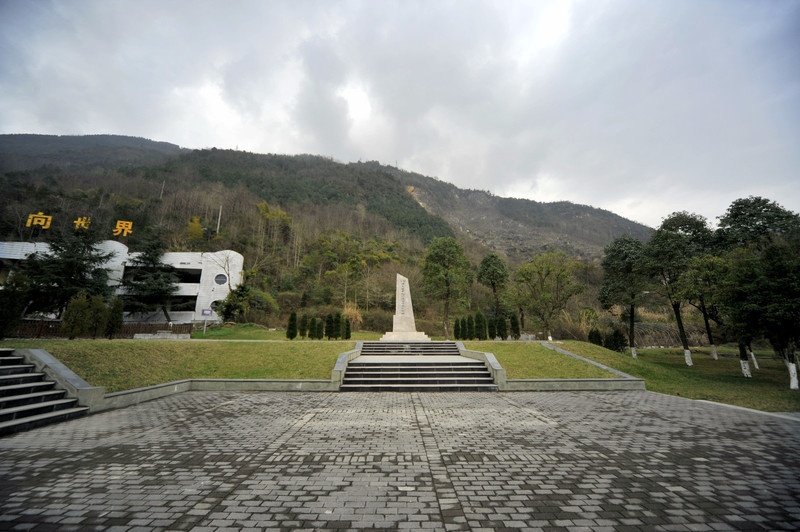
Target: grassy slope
(525,360)
(128,364)
(665,371)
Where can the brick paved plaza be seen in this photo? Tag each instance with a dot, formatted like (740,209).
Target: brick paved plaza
(438,461)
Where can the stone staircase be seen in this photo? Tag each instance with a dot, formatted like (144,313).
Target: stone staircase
(415,367)
(28,399)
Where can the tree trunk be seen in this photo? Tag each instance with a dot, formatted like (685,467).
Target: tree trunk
(631,330)
(789,360)
(752,355)
(166,314)
(676,308)
(792,367)
(521,319)
(708,330)
(743,360)
(446,319)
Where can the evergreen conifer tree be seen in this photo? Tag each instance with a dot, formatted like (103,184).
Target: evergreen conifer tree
(320,329)
(470,327)
(75,319)
(514,324)
(457,329)
(13,297)
(97,315)
(595,337)
(347,329)
(149,283)
(329,330)
(480,326)
(502,330)
(291,328)
(337,325)
(464,330)
(312,329)
(115,318)
(446,274)
(73,264)
(492,326)
(303,329)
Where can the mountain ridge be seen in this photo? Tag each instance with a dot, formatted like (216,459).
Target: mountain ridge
(513,226)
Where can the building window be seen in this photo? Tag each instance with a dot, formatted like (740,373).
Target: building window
(221,279)
(188,275)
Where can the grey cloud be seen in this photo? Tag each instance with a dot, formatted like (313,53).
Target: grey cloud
(644,107)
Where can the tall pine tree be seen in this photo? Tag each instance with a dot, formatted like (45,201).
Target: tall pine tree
(291,327)
(149,283)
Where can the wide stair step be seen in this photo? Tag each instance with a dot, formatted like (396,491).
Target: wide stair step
(28,399)
(422,366)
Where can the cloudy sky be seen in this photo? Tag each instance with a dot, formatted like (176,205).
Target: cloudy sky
(640,107)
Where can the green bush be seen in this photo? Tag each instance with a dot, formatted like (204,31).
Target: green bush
(616,341)
(595,337)
(291,327)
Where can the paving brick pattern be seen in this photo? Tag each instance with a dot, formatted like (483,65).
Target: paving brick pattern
(416,461)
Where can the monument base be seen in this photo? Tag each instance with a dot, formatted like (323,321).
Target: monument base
(405,337)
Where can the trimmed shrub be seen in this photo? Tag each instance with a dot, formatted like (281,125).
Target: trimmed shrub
(514,323)
(291,328)
(595,337)
(480,326)
(502,329)
(616,341)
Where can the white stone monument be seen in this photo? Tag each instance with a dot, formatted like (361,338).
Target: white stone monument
(403,328)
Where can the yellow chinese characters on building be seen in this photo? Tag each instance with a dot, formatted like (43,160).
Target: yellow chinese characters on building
(123,228)
(40,219)
(83,222)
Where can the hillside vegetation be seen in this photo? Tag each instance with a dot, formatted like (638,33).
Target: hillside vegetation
(315,233)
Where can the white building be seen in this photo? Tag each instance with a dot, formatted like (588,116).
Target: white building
(204,279)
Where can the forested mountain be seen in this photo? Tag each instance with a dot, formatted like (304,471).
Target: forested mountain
(311,229)
(26,152)
(519,227)
(513,226)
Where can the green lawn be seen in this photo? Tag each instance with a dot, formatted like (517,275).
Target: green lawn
(127,364)
(665,371)
(254,332)
(530,360)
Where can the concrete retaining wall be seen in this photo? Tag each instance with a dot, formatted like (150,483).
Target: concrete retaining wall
(575,385)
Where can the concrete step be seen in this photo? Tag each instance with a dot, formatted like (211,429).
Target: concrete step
(419,388)
(423,381)
(408,348)
(409,365)
(25,387)
(20,378)
(16,412)
(28,399)
(16,369)
(27,423)
(31,398)
(415,366)
(413,374)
